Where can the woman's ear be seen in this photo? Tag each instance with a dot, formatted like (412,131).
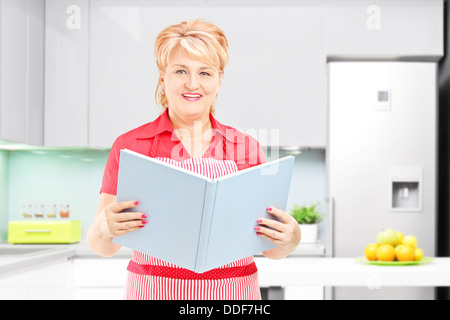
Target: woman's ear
(161,80)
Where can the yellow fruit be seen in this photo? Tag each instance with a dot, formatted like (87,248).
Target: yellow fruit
(386,252)
(419,254)
(387,236)
(398,247)
(400,237)
(410,240)
(406,253)
(371,252)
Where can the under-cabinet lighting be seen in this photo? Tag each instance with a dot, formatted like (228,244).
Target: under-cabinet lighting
(292,150)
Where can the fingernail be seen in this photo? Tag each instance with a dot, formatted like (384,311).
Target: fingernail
(144,216)
(259,220)
(258,233)
(144,221)
(269,208)
(136,203)
(257,228)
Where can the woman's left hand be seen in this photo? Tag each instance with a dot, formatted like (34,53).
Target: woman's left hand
(284,233)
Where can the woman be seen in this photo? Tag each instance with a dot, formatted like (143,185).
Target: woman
(191,57)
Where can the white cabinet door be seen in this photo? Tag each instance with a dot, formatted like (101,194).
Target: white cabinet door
(21,66)
(52,281)
(66,72)
(275,82)
(14,287)
(99,279)
(385,29)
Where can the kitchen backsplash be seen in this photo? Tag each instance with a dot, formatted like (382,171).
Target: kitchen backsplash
(3,194)
(73,177)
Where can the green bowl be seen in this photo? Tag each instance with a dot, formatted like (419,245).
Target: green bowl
(424,260)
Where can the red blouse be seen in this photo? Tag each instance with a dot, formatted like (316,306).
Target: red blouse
(158,139)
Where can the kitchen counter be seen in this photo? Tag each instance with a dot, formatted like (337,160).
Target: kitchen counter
(347,272)
(18,257)
(304,268)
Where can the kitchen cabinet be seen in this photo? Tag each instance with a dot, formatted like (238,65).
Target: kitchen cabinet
(50,281)
(385,29)
(103,279)
(66,72)
(100,74)
(275,83)
(22,74)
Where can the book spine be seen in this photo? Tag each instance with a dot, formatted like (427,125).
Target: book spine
(207,214)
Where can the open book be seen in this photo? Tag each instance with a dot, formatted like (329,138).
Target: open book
(195,222)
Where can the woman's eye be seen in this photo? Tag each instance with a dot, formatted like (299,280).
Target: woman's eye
(180,71)
(205,74)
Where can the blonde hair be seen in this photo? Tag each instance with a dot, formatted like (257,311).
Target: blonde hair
(200,39)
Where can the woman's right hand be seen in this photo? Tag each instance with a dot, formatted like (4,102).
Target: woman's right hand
(110,221)
(117,223)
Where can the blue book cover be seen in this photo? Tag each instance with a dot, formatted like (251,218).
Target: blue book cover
(195,222)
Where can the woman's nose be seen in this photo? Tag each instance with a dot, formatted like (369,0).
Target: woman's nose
(192,82)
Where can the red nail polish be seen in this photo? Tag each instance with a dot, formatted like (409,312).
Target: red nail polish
(144,221)
(269,208)
(257,228)
(136,203)
(258,233)
(144,216)
(259,220)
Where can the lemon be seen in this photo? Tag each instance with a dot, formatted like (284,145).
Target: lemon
(410,240)
(386,252)
(397,247)
(406,253)
(419,254)
(371,251)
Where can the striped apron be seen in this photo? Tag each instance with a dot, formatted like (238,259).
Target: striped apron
(150,278)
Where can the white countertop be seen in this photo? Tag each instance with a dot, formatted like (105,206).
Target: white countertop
(348,272)
(294,270)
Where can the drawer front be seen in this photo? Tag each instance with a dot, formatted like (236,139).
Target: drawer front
(44,232)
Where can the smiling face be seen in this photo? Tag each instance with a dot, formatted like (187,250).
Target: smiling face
(190,86)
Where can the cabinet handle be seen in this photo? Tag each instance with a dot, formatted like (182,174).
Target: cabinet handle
(38,231)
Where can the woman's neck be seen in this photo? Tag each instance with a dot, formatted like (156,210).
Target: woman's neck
(195,134)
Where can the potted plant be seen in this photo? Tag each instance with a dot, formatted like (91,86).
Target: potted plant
(308,219)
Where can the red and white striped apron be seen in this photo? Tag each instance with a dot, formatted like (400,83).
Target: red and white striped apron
(150,278)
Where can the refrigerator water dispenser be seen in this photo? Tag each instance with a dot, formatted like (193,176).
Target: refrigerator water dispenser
(405,189)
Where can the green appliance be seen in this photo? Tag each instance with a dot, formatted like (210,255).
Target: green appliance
(49,231)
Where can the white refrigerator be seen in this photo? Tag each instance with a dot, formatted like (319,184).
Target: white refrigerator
(381,161)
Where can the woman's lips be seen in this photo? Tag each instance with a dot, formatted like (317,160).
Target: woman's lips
(191,96)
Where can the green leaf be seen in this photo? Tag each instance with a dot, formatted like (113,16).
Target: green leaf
(306,215)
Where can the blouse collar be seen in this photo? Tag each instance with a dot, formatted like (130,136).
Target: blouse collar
(162,124)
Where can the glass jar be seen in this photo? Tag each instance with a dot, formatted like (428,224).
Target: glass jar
(64,211)
(26,211)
